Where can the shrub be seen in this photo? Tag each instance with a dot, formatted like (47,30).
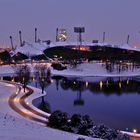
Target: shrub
(58,119)
(83,125)
(58,66)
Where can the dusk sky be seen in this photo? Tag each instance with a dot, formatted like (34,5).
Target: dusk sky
(117,18)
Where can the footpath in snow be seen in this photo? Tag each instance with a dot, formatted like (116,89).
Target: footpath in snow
(15,127)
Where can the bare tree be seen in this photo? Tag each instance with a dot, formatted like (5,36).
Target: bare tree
(43,76)
(23,74)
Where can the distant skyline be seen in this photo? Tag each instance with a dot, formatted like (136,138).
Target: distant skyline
(117,18)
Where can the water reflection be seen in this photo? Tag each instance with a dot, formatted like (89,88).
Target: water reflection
(43,105)
(113,101)
(109,85)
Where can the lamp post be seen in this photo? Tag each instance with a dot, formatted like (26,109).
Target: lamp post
(79,30)
(134,131)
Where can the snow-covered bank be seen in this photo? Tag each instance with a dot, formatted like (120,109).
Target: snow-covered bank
(94,69)
(81,70)
(15,127)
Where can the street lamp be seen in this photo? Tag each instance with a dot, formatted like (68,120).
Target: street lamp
(79,30)
(134,131)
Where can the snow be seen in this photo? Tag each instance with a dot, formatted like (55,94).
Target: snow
(6,70)
(15,127)
(127,47)
(32,49)
(81,70)
(94,69)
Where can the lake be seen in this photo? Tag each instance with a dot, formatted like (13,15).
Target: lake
(112,101)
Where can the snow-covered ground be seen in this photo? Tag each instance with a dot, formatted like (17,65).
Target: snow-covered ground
(81,70)
(94,69)
(15,127)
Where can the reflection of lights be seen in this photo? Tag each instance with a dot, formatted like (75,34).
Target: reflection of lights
(16,100)
(27,103)
(120,84)
(33,78)
(13,61)
(13,79)
(127,82)
(74,48)
(74,82)
(101,85)
(23,79)
(86,84)
(107,83)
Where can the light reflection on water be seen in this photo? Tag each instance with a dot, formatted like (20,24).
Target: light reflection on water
(112,101)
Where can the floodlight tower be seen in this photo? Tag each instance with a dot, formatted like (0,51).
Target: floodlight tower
(56,34)
(79,30)
(79,100)
(11,40)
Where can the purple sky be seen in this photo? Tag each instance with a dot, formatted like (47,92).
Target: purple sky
(117,18)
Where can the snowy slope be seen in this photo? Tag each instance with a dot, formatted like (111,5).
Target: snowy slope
(31,49)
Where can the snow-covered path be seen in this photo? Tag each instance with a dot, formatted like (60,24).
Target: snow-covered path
(16,127)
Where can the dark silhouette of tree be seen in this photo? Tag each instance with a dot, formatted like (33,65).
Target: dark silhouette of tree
(44,105)
(23,74)
(43,76)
